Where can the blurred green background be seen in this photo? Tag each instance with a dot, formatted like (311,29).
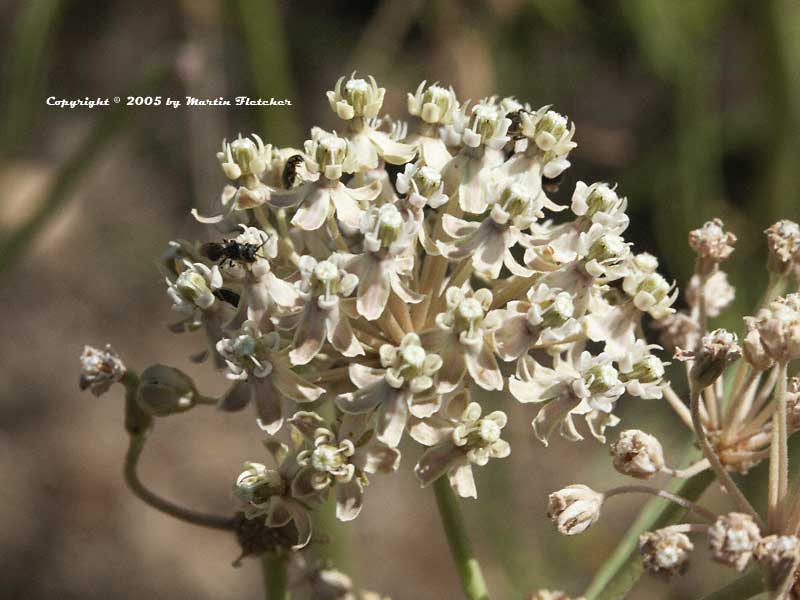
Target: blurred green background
(691,106)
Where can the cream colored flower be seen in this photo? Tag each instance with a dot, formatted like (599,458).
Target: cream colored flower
(457,440)
(405,384)
(733,539)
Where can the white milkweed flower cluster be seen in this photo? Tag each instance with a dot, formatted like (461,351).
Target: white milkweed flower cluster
(351,304)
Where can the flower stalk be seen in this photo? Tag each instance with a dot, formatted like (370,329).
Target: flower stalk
(467,565)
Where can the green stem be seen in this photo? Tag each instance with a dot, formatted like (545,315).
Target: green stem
(624,567)
(273,569)
(469,570)
(747,586)
(139,425)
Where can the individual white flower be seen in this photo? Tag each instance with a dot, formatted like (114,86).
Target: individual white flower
(433,104)
(489,242)
(545,319)
(637,454)
(322,286)
(100,369)
(339,456)
(384,266)
(463,338)
(600,203)
(405,384)
(357,98)
(194,287)
(262,291)
(651,293)
(665,552)
(262,375)
(420,185)
(589,388)
(641,371)
(266,494)
(244,156)
(327,158)
(733,539)
(574,508)
(457,440)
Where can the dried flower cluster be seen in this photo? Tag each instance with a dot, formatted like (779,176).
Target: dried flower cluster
(736,426)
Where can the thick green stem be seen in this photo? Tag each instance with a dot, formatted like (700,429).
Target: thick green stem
(469,570)
(273,569)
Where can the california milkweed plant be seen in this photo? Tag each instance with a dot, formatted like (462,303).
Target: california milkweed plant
(358,290)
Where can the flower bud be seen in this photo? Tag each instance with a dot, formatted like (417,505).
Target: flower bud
(256,482)
(717,350)
(100,369)
(665,552)
(165,391)
(574,508)
(732,539)
(778,556)
(783,243)
(637,454)
(752,348)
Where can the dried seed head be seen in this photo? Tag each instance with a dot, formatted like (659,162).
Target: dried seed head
(665,552)
(574,508)
(783,243)
(779,328)
(637,454)
(717,350)
(100,369)
(732,539)
(778,556)
(712,244)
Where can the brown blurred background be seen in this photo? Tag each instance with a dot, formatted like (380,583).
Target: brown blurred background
(692,106)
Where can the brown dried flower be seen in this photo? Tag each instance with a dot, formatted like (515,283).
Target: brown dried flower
(665,552)
(732,539)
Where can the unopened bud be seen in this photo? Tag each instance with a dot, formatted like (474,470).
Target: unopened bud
(165,391)
(574,508)
(637,454)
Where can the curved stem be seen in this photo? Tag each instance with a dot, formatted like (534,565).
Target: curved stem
(138,488)
(469,570)
(680,501)
(273,570)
